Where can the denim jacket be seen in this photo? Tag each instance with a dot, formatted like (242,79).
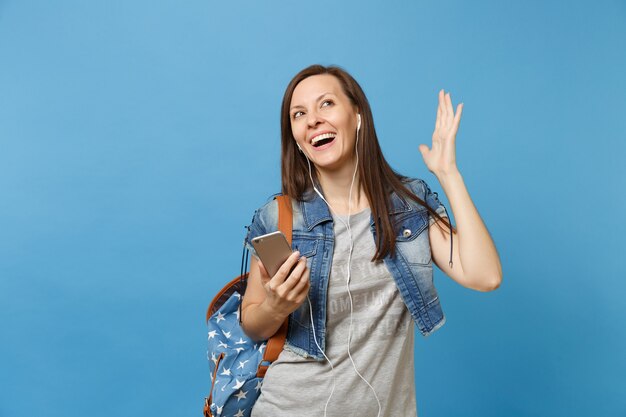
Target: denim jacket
(313,236)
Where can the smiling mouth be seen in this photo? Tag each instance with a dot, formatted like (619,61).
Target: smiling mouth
(323,139)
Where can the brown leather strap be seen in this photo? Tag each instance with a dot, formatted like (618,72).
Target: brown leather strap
(285,216)
(275,343)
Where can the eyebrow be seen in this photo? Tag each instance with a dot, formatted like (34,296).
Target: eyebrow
(318,99)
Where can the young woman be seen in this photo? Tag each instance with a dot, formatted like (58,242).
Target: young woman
(361,273)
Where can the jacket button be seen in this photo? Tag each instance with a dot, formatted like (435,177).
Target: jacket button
(406,232)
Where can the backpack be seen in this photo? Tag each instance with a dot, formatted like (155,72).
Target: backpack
(237,363)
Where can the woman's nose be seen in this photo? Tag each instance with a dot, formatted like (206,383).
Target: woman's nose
(312,119)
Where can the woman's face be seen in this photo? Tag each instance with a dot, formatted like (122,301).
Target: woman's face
(323,121)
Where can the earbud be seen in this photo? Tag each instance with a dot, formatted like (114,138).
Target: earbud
(297,144)
(358,120)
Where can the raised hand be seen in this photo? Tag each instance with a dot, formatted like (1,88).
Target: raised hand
(441,158)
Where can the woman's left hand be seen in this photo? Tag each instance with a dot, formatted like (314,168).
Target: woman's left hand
(441,159)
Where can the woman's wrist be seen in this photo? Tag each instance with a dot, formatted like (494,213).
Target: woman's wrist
(272,313)
(259,323)
(449,177)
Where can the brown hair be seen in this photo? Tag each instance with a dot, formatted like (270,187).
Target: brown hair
(375,175)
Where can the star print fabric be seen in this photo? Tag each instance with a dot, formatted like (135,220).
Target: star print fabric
(233,362)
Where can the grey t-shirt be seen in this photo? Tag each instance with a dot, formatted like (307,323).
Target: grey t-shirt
(381,343)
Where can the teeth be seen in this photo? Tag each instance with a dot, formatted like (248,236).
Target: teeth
(322,137)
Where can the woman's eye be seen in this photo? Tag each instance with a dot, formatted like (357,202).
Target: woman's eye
(326,101)
(296,114)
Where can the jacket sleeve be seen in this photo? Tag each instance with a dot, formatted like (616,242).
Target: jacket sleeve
(432,199)
(256,228)
(264,220)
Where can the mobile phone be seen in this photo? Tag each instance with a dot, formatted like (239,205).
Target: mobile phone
(273,250)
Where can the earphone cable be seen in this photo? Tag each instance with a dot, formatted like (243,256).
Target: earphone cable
(349,269)
(349,229)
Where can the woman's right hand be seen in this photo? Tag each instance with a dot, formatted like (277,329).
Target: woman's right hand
(288,289)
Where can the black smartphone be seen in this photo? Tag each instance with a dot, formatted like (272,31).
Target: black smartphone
(273,250)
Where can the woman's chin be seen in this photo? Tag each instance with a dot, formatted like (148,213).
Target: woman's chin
(331,163)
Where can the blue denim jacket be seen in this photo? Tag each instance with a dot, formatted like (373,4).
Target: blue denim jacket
(313,236)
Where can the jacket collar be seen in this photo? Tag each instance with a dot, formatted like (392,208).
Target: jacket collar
(316,211)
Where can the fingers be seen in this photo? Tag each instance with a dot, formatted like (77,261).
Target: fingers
(283,271)
(442,103)
(445,113)
(457,118)
(424,149)
(439,116)
(449,109)
(296,276)
(301,289)
(446,117)
(292,280)
(439,112)
(294,288)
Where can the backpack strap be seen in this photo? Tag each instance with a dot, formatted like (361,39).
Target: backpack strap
(285,216)
(275,343)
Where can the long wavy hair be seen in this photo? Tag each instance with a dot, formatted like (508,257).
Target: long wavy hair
(375,175)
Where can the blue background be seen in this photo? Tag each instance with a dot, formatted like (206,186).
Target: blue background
(138,137)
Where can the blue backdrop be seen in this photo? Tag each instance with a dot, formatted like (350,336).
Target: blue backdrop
(138,137)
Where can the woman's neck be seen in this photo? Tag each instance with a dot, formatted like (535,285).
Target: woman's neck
(336,187)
